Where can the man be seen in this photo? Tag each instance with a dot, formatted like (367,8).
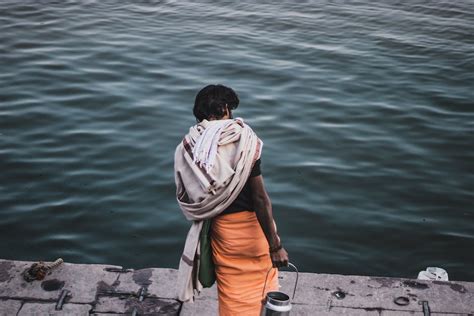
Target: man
(218,177)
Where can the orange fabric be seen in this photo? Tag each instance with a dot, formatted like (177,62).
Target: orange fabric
(242,260)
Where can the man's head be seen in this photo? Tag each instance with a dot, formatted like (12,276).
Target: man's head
(215,102)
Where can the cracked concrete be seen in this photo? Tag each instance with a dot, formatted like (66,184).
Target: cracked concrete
(113,290)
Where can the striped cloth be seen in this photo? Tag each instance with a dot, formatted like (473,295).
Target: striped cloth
(204,192)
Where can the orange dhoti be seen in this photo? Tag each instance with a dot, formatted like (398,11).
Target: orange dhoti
(242,260)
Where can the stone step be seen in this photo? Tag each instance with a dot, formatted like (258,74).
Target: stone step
(112,290)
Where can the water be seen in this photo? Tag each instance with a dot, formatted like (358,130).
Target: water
(365,110)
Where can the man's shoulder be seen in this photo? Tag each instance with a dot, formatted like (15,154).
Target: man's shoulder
(179,148)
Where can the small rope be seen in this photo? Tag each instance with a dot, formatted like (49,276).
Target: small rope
(55,264)
(38,270)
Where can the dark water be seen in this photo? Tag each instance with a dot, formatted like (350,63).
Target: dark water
(366,111)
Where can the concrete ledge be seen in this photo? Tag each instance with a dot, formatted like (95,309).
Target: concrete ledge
(112,290)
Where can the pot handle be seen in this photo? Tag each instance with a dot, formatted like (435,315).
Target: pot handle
(296,281)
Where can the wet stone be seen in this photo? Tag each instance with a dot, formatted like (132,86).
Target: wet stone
(127,304)
(142,277)
(378,282)
(415,284)
(159,282)
(5,267)
(155,306)
(103,288)
(454,286)
(52,285)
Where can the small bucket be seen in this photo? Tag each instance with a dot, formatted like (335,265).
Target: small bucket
(276,302)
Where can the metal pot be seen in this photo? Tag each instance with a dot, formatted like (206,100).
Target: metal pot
(277,303)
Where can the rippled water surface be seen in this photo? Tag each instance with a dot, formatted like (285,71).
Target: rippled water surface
(366,111)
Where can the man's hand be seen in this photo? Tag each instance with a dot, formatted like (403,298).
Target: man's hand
(279,258)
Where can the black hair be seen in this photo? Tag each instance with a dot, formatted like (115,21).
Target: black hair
(212,101)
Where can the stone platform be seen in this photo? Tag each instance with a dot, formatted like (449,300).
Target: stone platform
(92,289)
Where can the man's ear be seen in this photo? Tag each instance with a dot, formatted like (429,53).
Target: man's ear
(228,112)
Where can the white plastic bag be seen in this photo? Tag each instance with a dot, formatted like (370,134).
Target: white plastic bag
(433,274)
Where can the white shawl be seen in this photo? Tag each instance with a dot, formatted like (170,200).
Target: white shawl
(212,165)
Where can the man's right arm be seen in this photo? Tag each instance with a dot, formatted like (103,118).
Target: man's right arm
(263,209)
